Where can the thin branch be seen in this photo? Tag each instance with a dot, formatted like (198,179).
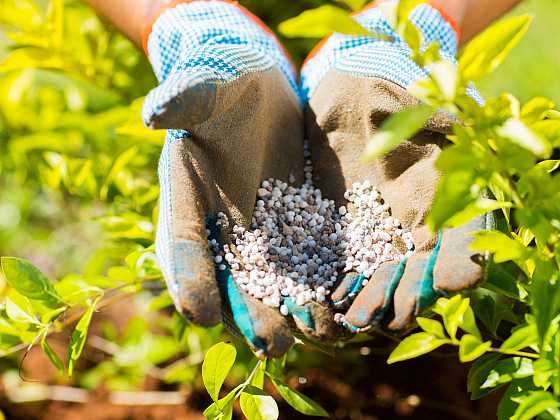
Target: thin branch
(515,353)
(76,316)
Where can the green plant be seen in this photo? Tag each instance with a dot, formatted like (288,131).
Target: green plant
(71,139)
(255,403)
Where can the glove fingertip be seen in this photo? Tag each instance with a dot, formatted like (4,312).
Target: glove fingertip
(180,102)
(192,284)
(263,327)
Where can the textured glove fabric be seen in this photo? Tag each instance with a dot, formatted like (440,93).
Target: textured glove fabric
(229,99)
(352,85)
(203,43)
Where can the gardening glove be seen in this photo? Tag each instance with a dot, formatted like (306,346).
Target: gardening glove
(229,99)
(353,84)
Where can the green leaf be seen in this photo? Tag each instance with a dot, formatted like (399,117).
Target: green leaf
(535,403)
(544,370)
(520,338)
(396,129)
(475,209)
(456,312)
(517,132)
(275,367)
(444,74)
(79,336)
(320,22)
(214,412)
(118,166)
(506,370)
(217,363)
(298,401)
(471,348)
(30,57)
(431,326)
(257,405)
(502,281)
(414,346)
(453,195)
(160,302)
(51,354)
(18,314)
(51,315)
(549,165)
(223,409)
(517,388)
(468,323)
(545,297)
(484,53)
(478,373)
(536,109)
(258,376)
(29,281)
(503,247)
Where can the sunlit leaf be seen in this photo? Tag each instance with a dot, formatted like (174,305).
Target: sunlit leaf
(396,129)
(29,281)
(51,354)
(536,109)
(30,57)
(517,132)
(444,73)
(471,348)
(534,404)
(487,51)
(79,336)
(18,314)
(503,247)
(520,338)
(476,208)
(415,345)
(320,22)
(431,326)
(217,363)
(258,405)
(506,370)
(478,373)
(298,401)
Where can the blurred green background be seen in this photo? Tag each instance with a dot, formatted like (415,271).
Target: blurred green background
(533,67)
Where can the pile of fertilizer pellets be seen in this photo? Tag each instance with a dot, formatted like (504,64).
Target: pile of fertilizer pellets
(299,244)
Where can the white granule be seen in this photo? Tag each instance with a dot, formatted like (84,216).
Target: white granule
(299,245)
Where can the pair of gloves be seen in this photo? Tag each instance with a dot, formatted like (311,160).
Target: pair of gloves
(236,115)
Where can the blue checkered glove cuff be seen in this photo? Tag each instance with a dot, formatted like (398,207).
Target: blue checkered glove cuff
(217,35)
(368,56)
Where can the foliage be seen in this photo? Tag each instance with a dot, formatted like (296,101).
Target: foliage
(254,401)
(508,150)
(70,134)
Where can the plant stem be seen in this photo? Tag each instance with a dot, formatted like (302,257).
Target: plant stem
(515,353)
(253,373)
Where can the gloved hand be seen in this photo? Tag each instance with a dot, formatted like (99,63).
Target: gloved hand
(229,98)
(353,84)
